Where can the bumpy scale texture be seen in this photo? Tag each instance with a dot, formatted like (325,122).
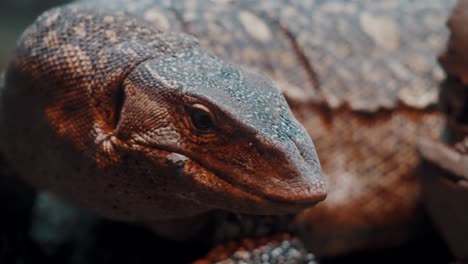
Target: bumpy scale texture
(361,76)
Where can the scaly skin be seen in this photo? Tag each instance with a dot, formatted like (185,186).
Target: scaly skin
(361,76)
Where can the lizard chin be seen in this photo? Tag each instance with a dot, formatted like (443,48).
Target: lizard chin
(218,191)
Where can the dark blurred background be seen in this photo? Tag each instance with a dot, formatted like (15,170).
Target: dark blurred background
(15,16)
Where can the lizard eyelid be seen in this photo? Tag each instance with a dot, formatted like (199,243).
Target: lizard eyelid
(201,118)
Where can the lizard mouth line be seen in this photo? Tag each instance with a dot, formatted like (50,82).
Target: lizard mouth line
(260,194)
(234,184)
(255,192)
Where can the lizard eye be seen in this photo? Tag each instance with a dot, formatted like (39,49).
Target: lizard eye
(201,118)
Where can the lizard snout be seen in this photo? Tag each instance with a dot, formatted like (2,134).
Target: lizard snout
(293,173)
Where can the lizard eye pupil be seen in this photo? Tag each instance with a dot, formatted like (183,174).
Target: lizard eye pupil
(201,118)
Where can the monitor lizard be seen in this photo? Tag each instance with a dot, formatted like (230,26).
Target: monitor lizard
(357,75)
(142,124)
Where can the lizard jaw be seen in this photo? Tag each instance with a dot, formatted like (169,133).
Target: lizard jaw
(221,192)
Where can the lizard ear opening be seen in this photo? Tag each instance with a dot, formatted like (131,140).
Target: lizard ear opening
(119,99)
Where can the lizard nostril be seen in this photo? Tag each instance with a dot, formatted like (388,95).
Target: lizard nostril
(304,148)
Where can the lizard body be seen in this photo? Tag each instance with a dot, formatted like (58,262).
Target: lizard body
(358,77)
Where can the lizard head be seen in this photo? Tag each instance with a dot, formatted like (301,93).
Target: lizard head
(228,133)
(150,126)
